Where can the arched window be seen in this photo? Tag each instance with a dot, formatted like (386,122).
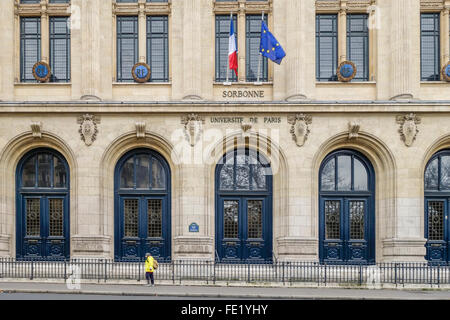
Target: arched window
(347,208)
(244,207)
(43,205)
(437,197)
(142,196)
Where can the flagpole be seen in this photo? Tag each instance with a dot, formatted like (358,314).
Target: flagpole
(227,81)
(260,58)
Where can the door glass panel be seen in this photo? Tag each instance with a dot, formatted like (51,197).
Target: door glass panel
(254,213)
(435,220)
(29,173)
(231,218)
(360,182)
(131,216)
(33,208)
(44,169)
(328,176)
(357,211)
(60,175)
(344,173)
(142,171)
(445,173)
(431,175)
(56,213)
(242,173)
(226,177)
(332,219)
(127,174)
(158,175)
(154,211)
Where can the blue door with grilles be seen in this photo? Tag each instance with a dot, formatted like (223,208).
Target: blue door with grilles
(243,207)
(42,200)
(142,206)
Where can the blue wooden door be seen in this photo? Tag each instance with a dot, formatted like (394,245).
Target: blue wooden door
(244,207)
(142,206)
(43,206)
(346,209)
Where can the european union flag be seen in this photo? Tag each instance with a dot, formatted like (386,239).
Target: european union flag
(269,46)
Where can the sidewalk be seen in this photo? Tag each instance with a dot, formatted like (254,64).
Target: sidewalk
(227,292)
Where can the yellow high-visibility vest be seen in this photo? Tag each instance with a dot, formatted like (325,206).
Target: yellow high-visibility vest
(149,264)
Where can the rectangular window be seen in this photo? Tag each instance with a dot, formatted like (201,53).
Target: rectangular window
(326,47)
(429,47)
(30,47)
(158,48)
(222,36)
(358,44)
(127,47)
(253,36)
(59,49)
(59,1)
(29,1)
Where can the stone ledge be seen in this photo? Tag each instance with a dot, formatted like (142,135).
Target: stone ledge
(399,250)
(296,248)
(193,247)
(91,246)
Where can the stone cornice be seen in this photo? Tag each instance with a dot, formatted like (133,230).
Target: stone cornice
(148,8)
(343,5)
(38,9)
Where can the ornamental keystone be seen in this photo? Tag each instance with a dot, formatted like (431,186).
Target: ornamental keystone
(300,128)
(193,127)
(408,128)
(88,128)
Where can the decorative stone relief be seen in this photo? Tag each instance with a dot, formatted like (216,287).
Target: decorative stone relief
(140,129)
(36,129)
(353,130)
(88,128)
(408,128)
(193,127)
(246,127)
(300,128)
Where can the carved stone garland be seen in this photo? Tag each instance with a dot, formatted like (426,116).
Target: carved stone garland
(300,128)
(408,128)
(88,128)
(193,127)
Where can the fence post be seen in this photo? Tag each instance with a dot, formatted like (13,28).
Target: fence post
(106,270)
(248,271)
(395,274)
(214,278)
(32,269)
(173,271)
(65,269)
(360,274)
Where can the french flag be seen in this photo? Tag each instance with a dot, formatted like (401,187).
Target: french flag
(232,49)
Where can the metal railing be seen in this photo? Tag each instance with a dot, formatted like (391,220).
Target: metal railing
(212,272)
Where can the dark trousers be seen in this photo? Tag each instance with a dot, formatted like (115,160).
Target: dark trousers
(149,276)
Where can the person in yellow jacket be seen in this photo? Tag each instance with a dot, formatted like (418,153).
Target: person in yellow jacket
(150,263)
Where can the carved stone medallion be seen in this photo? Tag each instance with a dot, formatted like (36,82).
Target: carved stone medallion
(193,127)
(88,128)
(408,128)
(246,127)
(300,128)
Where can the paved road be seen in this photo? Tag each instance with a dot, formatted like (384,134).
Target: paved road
(219,292)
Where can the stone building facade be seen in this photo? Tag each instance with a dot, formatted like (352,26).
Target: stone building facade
(392,124)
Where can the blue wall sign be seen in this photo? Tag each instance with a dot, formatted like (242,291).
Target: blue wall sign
(41,71)
(193,227)
(346,71)
(141,72)
(446,72)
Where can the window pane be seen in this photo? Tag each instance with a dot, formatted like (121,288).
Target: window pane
(242,172)
(158,175)
(435,220)
(431,175)
(158,48)
(29,173)
(231,219)
(56,214)
(30,47)
(360,182)
(154,211)
(60,49)
(142,171)
(222,37)
(44,170)
(445,173)
(326,47)
(357,212)
(127,47)
(358,44)
(59,1)
(227,176)
(33,210)
(131,216)
(60,174)
(344,173)
(254,213)
(127,174)
(332,220)
(328,179)
(430,47)
(253,36)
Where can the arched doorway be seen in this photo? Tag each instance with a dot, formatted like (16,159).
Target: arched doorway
(243,187)
(347,208)
(437,200)
(142,206)
(42,195)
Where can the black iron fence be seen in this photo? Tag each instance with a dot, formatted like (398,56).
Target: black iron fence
(212,272)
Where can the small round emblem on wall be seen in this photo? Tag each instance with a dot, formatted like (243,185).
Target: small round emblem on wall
(446,72)
(41,71)
(141,72)
(346,71)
